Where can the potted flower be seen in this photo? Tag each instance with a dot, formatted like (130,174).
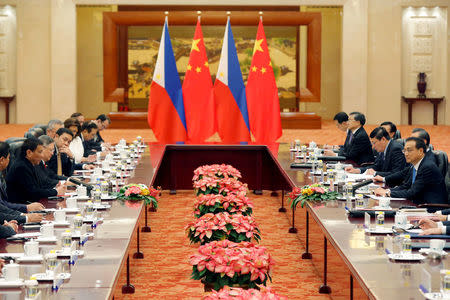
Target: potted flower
(216,171)
(228,293)
(138,192)
(232,203)
(225,263)
(223,186)
(221,226)
(313,193)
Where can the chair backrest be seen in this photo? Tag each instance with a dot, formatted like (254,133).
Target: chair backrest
(401,142)
(41,126)
(29,134)
(430,147)
(447,183)
(37,132)
(14,139)
(441,161)
(14,150)
(397,135)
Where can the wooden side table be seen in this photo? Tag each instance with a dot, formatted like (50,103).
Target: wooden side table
(434,101)
(7,101)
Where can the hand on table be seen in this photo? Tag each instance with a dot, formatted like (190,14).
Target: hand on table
(352,170)
(60,189)
(12,224)
(427,224)
(35,206)
(380,192)
(431,231)
(377,178)
(329,153)
(370,172)
(34,218)
(88,167)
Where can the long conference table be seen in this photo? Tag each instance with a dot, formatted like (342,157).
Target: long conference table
(351,264)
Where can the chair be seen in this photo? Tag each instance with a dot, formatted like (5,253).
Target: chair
(34,132)
(14,150)
(41,126)
(14,139)
(397,135)
(441,161)
(401,142)
(447,183)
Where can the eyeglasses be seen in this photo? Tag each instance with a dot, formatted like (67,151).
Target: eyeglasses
(408,150)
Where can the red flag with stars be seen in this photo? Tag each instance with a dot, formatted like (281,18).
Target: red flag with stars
(262,93)
(198,92)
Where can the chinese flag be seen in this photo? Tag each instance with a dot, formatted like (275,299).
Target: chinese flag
(198,92)
(262,93)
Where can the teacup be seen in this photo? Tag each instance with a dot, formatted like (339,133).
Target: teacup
(437,245)
(400,219)
(99,156)
(47,230)
(82,190)
(71,202)
(105,165)
(98,172)
(31,248)
(11,272)
(385,202)
(60,216)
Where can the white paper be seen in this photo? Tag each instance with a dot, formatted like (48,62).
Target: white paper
(390,198)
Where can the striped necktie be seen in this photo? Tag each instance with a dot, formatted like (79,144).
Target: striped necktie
(59,164)
(414,175)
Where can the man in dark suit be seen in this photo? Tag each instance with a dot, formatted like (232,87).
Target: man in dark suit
(88,131)
(358,148)
(13,207)
(22,182)
(62,162)
(95,145)
(391,129)
(424,182)
(48,178)
(390,157)
(341,122)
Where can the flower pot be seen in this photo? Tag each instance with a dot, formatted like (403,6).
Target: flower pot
(208,287)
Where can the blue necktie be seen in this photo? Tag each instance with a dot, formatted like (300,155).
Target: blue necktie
(414,175)
(350,138)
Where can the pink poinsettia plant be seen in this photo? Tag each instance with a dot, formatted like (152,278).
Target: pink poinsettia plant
(216,171)
(228,293)
(232,203)
(225,263)
(313,193)
(137,192)
(223,186)
(221,226)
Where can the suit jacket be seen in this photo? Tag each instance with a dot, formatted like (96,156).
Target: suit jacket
(48,178)
(7,214)
(347,139)
(22,183)
(6,231)
(428,187)
(393,161)
(393,179)
(4,198)
(68,164)
(359,149)
(88,150)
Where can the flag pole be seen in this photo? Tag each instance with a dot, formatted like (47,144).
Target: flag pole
(228,16)
(199,12)
(260,15)
(166,19)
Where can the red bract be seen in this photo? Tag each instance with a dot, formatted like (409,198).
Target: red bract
(228,293)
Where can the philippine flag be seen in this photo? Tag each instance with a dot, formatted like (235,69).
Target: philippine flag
(229,92)
(165,106)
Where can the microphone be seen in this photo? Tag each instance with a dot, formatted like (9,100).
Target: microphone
(78,182)
(361,184)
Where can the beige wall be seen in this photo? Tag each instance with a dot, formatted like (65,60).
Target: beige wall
(52,80)
(330,92)
(90,61)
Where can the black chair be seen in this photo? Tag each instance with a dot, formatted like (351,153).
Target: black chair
(14,150)
(441,161)
(34,132)
(401,142)
(14,139)
(397,135)
(41,126)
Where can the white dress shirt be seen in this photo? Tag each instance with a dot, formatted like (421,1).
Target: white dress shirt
(77,148)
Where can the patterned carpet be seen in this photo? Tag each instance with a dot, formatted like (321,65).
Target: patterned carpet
(164,273)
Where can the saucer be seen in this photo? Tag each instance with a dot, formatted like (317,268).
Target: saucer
(101,206)
(82,197)
(400,256)
(11,284)
(50,239)
(109,197)
(47,277)
(35,258)
(427,251)
(61,253)
(383,230)
(78,236)
(57,224)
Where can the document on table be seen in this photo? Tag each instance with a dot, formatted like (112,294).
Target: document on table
(392,199)
(353,177)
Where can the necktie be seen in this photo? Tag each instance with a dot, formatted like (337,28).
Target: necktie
(414,175)
(3,188)
(58,160)
(350,138)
